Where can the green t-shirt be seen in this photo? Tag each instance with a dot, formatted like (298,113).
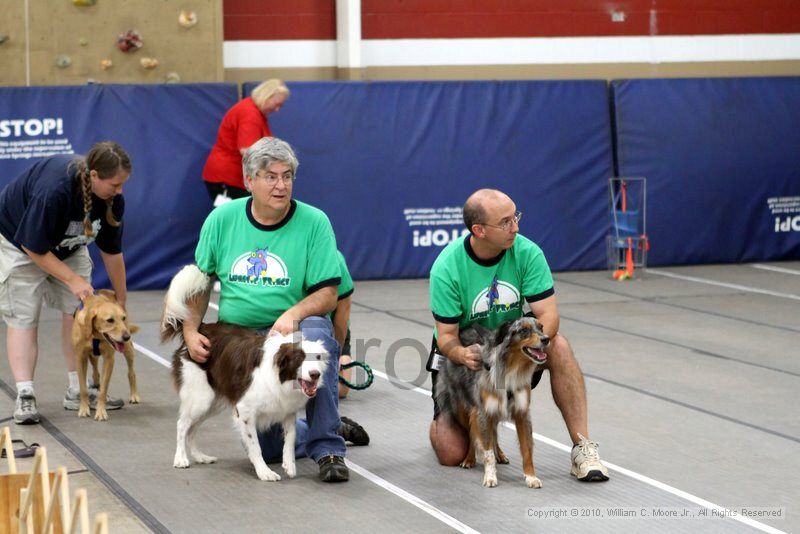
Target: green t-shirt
(346,285)
(265,270)
(465,289)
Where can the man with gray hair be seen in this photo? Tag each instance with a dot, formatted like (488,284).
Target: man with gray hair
(277,264)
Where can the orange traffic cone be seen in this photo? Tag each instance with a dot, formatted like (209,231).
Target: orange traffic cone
(629,259)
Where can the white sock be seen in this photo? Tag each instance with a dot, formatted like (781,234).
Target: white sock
(73,380)
(25,387)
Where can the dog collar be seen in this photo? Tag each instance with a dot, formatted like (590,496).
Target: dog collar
(96,347)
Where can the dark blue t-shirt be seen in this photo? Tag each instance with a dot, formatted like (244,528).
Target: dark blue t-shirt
(42,210)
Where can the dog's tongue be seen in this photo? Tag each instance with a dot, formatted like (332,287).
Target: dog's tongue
(309,388)
(119,346)
(538,355)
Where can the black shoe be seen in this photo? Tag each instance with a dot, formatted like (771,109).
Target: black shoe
(333,469)
(353,432)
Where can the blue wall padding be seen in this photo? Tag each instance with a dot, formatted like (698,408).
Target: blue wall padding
(713,152)
(368,151)
(168,131)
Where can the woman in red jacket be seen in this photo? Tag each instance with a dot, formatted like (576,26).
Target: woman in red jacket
(243,124)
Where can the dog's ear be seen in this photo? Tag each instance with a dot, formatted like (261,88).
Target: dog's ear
(288,360)
(109,294)
(502,332)
(84,319)
(132,328)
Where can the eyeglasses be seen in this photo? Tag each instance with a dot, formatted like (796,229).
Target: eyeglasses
(505,224)
(272,179)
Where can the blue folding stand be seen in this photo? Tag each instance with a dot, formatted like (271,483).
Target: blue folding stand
(627,243)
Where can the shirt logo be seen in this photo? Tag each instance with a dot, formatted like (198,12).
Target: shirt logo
(259,268)
(499,297)
(74,236)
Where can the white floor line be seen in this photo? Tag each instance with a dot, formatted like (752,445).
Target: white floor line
(408,497)
(783,270)
(372,477)
(213,305)
(152,355)
(641,478)
(724,284)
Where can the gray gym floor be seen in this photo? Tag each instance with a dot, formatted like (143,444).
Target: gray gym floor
(692,376)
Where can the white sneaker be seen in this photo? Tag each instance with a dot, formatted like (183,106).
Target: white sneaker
(586,464)
(25,412)
(72,400)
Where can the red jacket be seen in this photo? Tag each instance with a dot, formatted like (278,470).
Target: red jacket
(243,125)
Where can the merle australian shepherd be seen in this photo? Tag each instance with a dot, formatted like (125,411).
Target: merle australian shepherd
(501,390)
(266,380)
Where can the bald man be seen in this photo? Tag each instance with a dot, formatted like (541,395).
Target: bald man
(483,278)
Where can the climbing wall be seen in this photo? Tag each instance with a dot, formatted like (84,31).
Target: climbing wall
(41,35)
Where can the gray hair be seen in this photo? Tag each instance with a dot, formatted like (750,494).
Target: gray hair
(265,152)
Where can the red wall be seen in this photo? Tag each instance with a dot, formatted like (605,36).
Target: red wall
(279,19)
(397,19)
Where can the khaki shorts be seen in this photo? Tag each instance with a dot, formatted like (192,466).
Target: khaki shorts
(24,286)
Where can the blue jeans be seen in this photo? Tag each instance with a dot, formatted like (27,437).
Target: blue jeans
(317,434)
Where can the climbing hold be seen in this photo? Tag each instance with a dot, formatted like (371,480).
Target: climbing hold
(148,63)
(129,41)
(187,19)
(63,61)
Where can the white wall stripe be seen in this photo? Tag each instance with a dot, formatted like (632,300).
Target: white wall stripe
(276,54)
(517,51)
(775,269)
(724,284)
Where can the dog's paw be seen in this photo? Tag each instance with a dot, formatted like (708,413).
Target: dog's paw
(533,482)
(181,462)
(201,458)
(101,414)
(134,399)
(501,457)
(290,469)
(467,463)
(265,473)
(490,481)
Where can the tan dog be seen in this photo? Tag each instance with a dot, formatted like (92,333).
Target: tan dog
(103,319)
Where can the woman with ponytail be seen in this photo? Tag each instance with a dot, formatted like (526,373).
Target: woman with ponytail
(48,216)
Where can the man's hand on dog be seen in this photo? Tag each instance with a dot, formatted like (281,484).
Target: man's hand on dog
(470,357)
(285,325)
(198,345)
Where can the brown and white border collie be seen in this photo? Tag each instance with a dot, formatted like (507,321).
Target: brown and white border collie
(265,379)
(479,400)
